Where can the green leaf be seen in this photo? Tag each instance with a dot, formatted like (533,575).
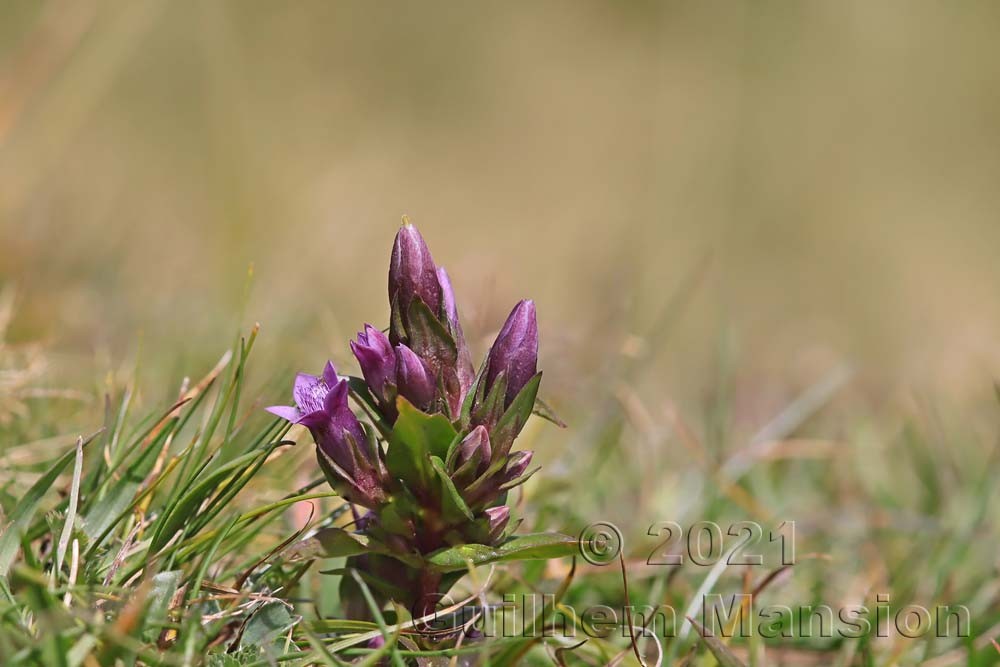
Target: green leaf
(545,411)
(331,542)
(105,511)
(343,625)
(507,486)
(474,395)
(164,586)
(24,512)
(516,416)
(74,500)
(489,410)
(428,337)
(189,503)
(524,547)
(416,437)
(270,621)
(452,503)
(722,654)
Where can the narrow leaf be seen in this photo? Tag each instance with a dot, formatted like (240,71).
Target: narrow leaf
(452,504)
(330,542)
(74,499)
(24,512)
(537,546)
(515,417)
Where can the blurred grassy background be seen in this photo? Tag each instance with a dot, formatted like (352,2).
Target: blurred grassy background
(837,161)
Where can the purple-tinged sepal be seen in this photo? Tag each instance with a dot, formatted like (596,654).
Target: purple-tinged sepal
(490,526)
(509,426)
(472,457)
(505,473)
(463,364)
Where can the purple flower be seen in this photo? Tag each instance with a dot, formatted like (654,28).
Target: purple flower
(378,364)
(310,393)
(412,275)
(515,351)
(412,378)
(321,406)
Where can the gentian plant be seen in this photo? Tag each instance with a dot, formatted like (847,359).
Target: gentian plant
(429,469)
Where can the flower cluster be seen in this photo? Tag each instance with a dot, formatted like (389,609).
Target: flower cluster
(434,465)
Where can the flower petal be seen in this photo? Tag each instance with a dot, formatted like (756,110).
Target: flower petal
(330,374)
(317,419)
(336,399)
(309,392)
(288,412)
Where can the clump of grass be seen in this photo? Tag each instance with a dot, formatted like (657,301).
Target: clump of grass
(174,535)
(129,545)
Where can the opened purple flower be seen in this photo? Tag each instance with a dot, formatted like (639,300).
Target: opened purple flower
(343,447)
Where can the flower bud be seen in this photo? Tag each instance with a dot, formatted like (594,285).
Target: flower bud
(486,489)
(378,363)
(517,464)
(497,518)
(412,379)
(412,275)
(475,447)
(515,351)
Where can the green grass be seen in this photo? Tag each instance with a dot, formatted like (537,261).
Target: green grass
(179,534)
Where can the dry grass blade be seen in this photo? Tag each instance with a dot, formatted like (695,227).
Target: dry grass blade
(240,580)
(74,499)
(561,652)
(721,652)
